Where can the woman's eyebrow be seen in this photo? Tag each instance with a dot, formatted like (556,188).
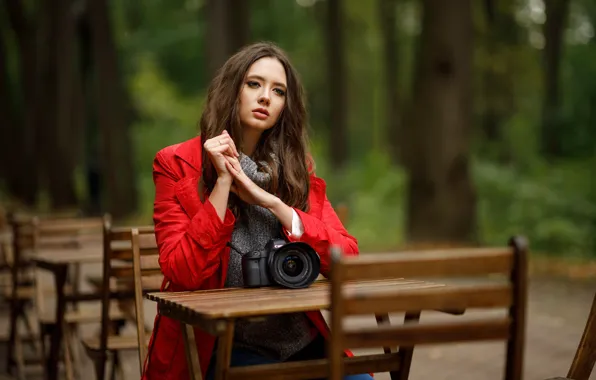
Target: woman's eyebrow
(254,76)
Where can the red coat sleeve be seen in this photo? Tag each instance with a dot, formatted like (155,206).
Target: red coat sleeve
(189,234)
(325,232)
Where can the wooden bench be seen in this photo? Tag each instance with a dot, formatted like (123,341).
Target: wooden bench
(509,293)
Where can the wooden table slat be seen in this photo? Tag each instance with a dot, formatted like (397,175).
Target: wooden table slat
(232,303)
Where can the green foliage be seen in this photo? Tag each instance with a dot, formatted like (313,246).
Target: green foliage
(162,47)
(552,207)
(167,118)
(373,189)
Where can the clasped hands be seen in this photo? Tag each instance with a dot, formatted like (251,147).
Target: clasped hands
(224,156)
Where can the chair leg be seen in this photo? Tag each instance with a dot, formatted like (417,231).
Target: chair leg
(36,343)
(67,355)
(117,369)
(12,330)
(585,356)
(71,334)
(99,363)
(19,358)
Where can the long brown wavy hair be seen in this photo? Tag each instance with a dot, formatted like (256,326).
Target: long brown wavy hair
(287,139)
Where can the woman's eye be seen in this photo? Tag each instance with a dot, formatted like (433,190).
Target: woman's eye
(280,92)
(252,84)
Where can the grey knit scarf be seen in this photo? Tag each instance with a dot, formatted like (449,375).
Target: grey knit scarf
(278,336)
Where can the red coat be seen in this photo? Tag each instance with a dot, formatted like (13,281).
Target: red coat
(193,252)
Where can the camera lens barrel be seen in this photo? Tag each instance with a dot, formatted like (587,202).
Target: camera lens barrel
(295,265)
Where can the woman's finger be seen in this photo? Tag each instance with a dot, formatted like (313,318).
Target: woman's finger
(226,138)
(234,161)
(219,148)
(231,169)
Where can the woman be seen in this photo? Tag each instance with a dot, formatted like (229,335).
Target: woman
(245,180)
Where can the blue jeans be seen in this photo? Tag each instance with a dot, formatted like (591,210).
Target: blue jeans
(241,357)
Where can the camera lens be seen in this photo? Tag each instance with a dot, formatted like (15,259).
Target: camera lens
(295,265)
(292,266)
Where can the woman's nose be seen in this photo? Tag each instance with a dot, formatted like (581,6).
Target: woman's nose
(264,98)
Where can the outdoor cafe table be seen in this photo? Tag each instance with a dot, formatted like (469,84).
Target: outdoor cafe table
(216,310)
(57,261)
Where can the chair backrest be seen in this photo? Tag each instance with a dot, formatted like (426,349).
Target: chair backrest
(585,356)
(68,232)
(117,268)
(23,243)
(508,264)
(147,276)
(65,234)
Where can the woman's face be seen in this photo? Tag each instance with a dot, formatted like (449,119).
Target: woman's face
(263,94)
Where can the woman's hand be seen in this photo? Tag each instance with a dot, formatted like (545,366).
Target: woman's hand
(217,149)
(245,188)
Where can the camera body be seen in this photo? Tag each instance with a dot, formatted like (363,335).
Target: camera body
(291,265)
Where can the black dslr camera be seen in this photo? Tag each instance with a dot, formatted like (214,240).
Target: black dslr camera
(291,265)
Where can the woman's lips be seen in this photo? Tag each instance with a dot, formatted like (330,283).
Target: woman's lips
(260,114)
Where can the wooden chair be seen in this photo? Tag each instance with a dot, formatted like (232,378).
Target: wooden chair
(118,284)
(147,277)
(585,355)
(509,264)
(69,234)
(20,293)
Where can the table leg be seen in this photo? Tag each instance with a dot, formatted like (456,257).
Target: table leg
(56,337)
(224,351)
(192,355)
(406,353)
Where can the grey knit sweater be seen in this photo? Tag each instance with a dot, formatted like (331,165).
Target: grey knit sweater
(277,336)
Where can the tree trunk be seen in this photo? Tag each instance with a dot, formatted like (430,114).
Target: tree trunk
(6,112)
(112,117)
(23,178)
(338,136)
(91,139)
(63,133)
(557,12)
(441,198)
(387,20)
(228,29)
(501,40)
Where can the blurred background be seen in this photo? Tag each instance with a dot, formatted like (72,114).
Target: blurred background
(433,121)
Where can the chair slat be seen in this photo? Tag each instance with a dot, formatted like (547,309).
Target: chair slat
(149,262)
(152,282)
(147,241)
(432,298)
(415,334)
(316,369)
(125,272)
(50,227)
(447,263)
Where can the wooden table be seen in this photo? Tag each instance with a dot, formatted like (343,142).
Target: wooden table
(215,311)
(57,262)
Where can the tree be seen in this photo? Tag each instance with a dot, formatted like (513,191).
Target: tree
(113,116)
(387,20)
(62,132)
(441,198)
(23,178)
(336,67)
(501,43)
(557,12)
(227,31)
